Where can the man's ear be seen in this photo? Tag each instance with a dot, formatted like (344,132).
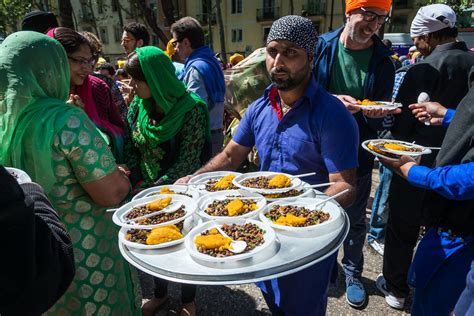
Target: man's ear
(140,43)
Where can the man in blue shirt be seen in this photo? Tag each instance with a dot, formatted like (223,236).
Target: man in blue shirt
(297,127)
(353,64)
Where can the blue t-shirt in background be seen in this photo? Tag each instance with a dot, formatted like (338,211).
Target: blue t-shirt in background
(317,135)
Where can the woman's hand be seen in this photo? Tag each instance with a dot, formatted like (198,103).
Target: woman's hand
(349,103)
(431,112)
(402,165)
(76,101)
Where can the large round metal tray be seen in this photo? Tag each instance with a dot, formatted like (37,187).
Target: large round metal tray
(287,255)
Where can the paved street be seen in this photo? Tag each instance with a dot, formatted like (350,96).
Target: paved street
(247,300)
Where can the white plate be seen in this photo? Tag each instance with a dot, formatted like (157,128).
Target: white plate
(385,106)
(364,145)
(173,187)
(222,195)
(423,150)
(295,182)
(187,226)
(118,217)
(269,237)
(333,223)
(309,193)
(204,177)
(20,175)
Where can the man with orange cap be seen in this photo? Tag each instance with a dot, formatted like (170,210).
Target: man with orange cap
(353,64)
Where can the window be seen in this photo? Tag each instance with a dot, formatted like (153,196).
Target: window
(100,6)
(237,35)
(117,34)
(236,6)
(266,30)
(115,5)
(104,34)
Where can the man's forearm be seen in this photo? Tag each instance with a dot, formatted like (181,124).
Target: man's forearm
(222,161)
(345,200)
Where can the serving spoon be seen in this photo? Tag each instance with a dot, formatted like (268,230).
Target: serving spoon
(237,246)
(330,198)
(173,207)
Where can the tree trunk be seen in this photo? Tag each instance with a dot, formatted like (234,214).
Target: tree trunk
(151,20)
(292,7)
(209,22)
(93,20)
(119,12)
(168,10)
(65,14)
(221,32)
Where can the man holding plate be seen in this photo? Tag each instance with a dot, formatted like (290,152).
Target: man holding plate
(297,128)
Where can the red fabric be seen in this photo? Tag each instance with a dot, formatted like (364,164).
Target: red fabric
(272,95)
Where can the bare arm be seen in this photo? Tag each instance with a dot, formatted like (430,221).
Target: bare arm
(110,190)
(343,180)
(229,159)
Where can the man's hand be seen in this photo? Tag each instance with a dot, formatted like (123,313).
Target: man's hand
(431,112)
(184,180)
(76,101)
(349,103)
(401,166)
(379,113)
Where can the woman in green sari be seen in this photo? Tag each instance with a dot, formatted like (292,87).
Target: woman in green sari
(59,147)
(170,137)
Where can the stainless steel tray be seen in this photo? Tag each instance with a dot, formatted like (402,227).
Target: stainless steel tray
(288,255)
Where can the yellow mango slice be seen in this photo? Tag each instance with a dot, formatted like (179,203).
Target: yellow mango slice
(224,182)
(279,181)
(163,234)
(290,220)
(159,204)
(213,241)
(235,207)
(166,190)
(395,146)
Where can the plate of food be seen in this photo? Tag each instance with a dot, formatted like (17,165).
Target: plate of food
(169,189)
(377,105)
(300,218)
(267,182)
(158,237)
(214,181)
(300,192)
(154,211)
(206,243)
(230,204)
(20,175)
(392,149)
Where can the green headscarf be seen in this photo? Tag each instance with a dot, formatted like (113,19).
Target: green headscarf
(168,93)
(34,86)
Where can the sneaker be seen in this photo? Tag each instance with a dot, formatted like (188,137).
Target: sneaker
(392,300)
(355,292)
(378,246)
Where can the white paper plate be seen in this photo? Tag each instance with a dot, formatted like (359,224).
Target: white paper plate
(190,207)
(335,220)
(364,145)
(204,177)
(187,227)
(423,150)
(222,195)
(153,191)
(20,175)
(384,105)
(309,193)
(295,182)
(269,237)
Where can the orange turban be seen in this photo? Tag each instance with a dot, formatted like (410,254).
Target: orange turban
(352,5)
(236,58)
(170,48)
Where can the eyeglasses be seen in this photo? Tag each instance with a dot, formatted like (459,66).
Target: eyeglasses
(370,16)
(83,62)
(175,42)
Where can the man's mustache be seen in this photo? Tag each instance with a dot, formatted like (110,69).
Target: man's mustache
(279,70)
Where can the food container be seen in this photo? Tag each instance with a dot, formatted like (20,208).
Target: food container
(20,175)
(119,216)
(199,182)
(240,181)
(336,218)
(269,237)
(179,189)
(208,199)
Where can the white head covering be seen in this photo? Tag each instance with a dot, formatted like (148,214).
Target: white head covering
(432,18)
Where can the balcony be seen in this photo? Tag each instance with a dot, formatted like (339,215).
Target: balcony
(268,14)
(204,18)
(314,8)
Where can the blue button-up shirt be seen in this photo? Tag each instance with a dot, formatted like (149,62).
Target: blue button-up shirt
(317,135)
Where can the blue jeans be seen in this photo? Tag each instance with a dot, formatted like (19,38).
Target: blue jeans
(379,216)
(353,260)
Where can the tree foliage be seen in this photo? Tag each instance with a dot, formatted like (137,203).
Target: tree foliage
(12,11)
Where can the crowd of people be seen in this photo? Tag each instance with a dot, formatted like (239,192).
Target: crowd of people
(92,136)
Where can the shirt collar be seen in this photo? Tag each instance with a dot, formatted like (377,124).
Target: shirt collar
(271,92)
